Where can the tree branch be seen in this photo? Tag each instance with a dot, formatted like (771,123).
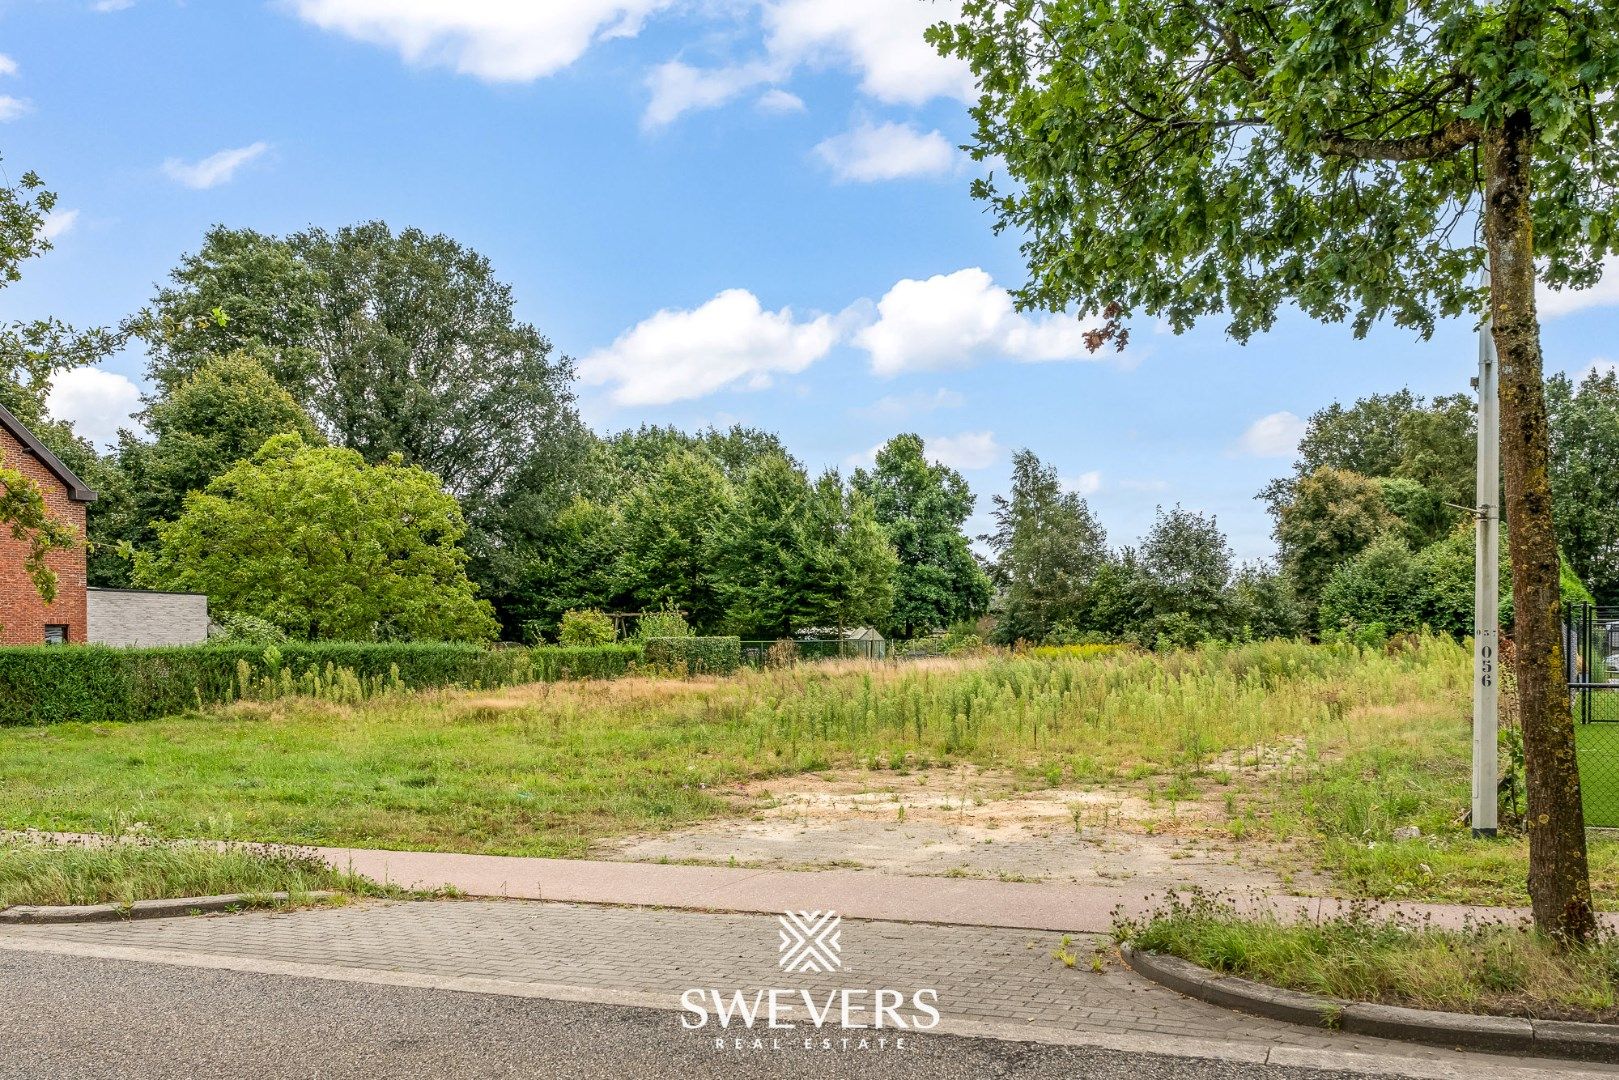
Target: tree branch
(1436,144)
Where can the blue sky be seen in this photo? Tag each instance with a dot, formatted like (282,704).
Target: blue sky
(724,210)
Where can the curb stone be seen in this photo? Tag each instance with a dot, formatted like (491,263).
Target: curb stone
(143,909)
(1543,1038)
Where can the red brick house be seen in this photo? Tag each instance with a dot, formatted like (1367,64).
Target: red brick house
(25,619)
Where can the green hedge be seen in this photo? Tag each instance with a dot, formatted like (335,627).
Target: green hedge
(696,655)
(42,685)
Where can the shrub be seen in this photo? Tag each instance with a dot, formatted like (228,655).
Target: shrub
(696,655)
(667,623)
(586,628)
(783,653)
(97,684)
(240,629)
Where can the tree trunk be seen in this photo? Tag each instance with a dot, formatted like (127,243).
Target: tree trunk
(1559,880)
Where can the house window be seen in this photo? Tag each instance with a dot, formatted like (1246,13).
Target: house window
(56,635)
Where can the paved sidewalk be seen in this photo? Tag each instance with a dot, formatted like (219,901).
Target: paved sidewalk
(860,894)
(1004,983)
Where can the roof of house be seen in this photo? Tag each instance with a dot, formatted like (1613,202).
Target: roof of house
(77,489)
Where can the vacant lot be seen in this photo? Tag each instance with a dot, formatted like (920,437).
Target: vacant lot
(1281,760)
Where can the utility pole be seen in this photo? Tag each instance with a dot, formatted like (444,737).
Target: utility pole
(1486,588)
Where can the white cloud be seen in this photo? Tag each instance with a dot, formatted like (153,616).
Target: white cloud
(881,41)
(779,101)
(493,40)
(214,169)
(58,223)
(8,66)
(886,152)
(729,342)
(922,401)
(678,87)
(1276,435)
(1552,303)
(969,450)
(105,6)
(97,403)
(13,107)
(1086,483)
(951,320)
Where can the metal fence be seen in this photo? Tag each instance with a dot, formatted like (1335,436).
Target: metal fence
(1591,653)
(758,653)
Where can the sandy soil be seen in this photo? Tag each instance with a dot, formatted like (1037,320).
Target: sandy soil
(966,822)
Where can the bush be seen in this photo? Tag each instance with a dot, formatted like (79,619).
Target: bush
(667,623)
(586,628)
(696,655)
(242,629)
(92,683)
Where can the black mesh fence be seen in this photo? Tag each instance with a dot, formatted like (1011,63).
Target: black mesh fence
(791,650)
(1591,645)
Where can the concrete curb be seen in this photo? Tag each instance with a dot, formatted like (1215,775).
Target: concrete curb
(1464,1031)
(143,909)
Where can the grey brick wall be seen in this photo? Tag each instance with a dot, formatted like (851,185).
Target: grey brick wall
(124,617)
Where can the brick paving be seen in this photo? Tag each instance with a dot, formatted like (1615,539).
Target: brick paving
(982,975)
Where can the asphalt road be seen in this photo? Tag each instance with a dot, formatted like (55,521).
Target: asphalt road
(70,1017)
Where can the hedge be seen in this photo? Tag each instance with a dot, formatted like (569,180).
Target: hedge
(42,685)
(695,655)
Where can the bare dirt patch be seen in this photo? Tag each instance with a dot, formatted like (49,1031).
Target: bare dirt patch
(968,822)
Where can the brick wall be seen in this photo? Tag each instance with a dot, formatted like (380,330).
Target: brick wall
(23,615)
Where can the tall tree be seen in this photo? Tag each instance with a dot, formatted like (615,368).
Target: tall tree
(1428,448)
(1585,476)
(221,413)
(1186,563)
(1333,514)
(323,545)
(572,564)
(1048,548)
(848,565)
(760,555)
(922,507)
(669,525)
(393,342)
(1361,159)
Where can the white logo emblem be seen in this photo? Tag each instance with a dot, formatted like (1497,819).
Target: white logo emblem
(809,941)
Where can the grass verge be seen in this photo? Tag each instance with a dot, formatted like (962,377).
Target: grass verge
(51,873)
(1492,969)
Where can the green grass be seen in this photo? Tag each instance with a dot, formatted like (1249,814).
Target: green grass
(549,769)
(1329,748)
(124,871)
(1599,770)
(1494,969)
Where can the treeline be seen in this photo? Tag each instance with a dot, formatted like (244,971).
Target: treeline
(352,436)
(1372,530)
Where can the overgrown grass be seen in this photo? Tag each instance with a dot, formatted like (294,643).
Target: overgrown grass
(1496,969)
(549,769)
(124,871)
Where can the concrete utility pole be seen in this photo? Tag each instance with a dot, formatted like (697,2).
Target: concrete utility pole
(1486,588)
